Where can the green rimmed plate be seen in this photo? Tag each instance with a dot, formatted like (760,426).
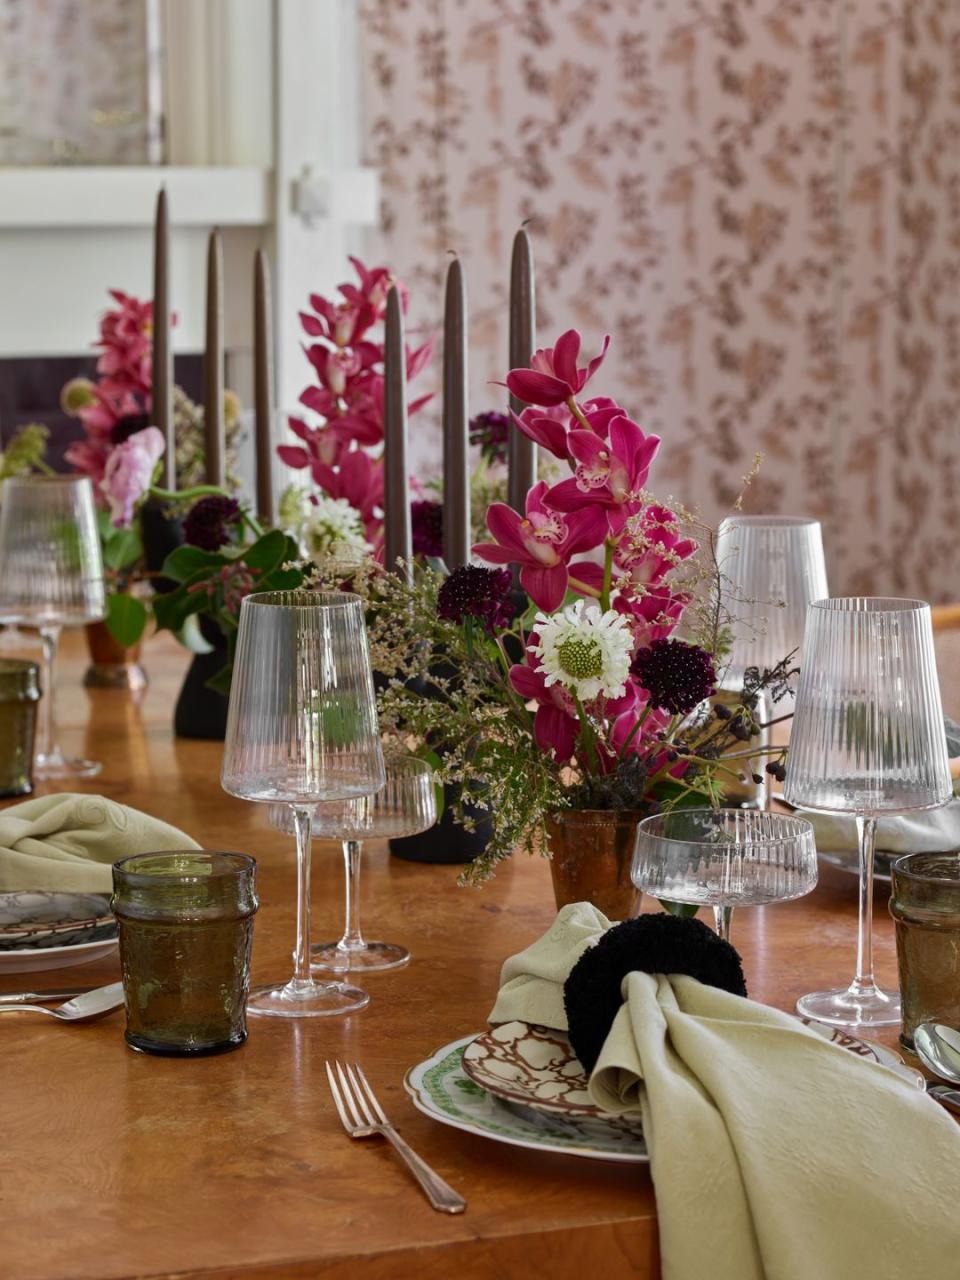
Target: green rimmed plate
(441,1089)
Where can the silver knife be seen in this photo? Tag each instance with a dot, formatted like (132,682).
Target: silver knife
(40,997)
(947,1097)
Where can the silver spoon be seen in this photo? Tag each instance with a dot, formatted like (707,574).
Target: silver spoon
(86,1008)
(938,1048)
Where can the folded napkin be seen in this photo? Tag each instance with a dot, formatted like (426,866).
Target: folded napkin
(775,1154)
(930,831)
(68,842)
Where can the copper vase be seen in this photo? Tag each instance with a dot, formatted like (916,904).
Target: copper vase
(111,665)
(591,855)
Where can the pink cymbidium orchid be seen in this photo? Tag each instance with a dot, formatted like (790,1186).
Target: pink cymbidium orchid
(359,479)
(554,376)
(541,542)
(555,723)
(611,472)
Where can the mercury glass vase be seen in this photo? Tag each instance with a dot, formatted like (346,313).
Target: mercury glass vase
(591,852)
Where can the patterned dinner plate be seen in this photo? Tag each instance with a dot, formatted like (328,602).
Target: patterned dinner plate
(54,930)
(441,1089)
(535,1067)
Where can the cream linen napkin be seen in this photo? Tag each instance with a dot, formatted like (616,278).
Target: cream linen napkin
(775,1155)
(934,831)
(68,842)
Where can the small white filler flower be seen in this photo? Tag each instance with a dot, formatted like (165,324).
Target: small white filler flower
(586,651)
(328,528)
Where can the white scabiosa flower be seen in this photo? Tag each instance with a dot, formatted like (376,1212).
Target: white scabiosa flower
(333,530)
(586,651)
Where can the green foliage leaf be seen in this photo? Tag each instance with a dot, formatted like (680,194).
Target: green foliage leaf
(270,551)
(183,562)
(122,548)
(220,683)
(126,618)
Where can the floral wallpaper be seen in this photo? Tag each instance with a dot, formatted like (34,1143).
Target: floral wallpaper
(79,82)
(760,199)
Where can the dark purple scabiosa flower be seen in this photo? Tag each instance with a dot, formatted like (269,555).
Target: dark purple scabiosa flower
(128,426)
(677,676)
(472,592)
(206,524)
(426,523)
(491,431)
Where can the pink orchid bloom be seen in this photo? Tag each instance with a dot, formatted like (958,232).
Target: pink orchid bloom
(126,337)
(89,458)
(654,614)
(543,429)
(555,724)
(359,479)
(651,546)
(323,446)
(541,542)
(129,473)
(553,376)
(611,473)
(549,428)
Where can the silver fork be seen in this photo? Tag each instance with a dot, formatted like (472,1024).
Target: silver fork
(363,1117)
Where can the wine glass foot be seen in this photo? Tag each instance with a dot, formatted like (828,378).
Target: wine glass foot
(55,764)
(870,1007)
(306,1000)
(371,957)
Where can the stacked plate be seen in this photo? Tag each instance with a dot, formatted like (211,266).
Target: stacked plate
(41,930)
(522,1084)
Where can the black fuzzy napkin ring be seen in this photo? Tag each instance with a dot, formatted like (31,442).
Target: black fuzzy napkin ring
(657,943)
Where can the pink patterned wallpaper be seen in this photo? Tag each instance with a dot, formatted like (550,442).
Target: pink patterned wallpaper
(760,199)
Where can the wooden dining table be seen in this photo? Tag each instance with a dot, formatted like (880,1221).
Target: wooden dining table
(114,1164)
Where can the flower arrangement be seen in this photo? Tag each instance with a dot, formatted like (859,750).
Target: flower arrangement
(342,442)
(121,450)
(224,557)
(569,687)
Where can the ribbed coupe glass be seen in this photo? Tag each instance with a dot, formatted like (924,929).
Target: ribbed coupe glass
(302,730)
(51,576)
(868,739)
(772,567)
(724,858)
(405,806)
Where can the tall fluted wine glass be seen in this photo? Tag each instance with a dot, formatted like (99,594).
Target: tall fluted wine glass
(772,567)
(405,806)
(724,858)
(51,576)
(868,739)
(302,730)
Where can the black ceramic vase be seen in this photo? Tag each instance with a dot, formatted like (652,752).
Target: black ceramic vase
(202,712)
(447,843)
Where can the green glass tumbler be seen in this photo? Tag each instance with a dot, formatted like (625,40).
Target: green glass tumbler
(925,904)
(186,932)
(19,695)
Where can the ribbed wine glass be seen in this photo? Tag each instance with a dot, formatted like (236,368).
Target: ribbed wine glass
(405,806)
(51,576)
(774,568)
(868,739)
(724,858)
(302,730)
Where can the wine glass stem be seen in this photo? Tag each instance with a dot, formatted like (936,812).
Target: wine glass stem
(49,641)
(866,840)
(302,825)
(352,939)
(722,917)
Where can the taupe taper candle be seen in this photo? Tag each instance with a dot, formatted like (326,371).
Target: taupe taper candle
(456,461)
(263,385)
(521,452)
(214,434)
(161,392)
(396,501)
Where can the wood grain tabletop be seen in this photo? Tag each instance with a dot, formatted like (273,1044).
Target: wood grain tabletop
(117,1165)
